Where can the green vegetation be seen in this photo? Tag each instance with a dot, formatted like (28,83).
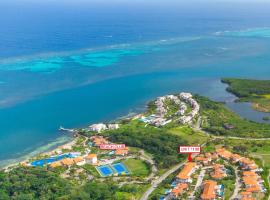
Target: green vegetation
(32,183)
(189,134)
(157,141)
(222,121)
(228,182)
(137,167)
(91,170)
(40,184)
(255,91)
(266,118)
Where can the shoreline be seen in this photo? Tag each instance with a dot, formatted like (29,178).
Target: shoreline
(50,151)
(32,154)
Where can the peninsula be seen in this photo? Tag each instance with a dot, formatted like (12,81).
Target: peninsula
(247,90)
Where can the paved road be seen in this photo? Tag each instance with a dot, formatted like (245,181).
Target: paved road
(156,182)
(237,184)
(199,183)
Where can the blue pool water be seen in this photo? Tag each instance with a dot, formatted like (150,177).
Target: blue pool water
(73,63)
(40,163)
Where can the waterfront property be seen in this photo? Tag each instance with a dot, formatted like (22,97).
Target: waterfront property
(180,108)
(52,159)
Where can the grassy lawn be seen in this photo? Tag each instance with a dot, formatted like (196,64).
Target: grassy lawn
(137,167)
(91,170)
(189,134)
(267,96)
(133,191)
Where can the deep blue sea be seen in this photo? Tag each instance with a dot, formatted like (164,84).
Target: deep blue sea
(73,63)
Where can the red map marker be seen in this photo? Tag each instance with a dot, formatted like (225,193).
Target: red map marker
(189,157)
(189,150)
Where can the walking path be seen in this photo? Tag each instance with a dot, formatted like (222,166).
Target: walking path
(156,182)
(237,184)
(198,184)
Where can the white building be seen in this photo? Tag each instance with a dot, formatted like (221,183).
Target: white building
(91,159)
(113,126)
(98,127)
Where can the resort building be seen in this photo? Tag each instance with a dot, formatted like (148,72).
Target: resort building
(67,161)
(91,159)
(121,152)
(98,127)
(113,126)
(56,164)
(209,190)
(219,171)
(185,175)
(79,161)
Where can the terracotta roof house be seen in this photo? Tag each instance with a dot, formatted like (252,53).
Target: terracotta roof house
(246,195)
(184,175)
(209,190)
(236,157)
(205,160)
(179,189)
(98,140)
(224,153)
(248,164)
(121,152)
(219,171)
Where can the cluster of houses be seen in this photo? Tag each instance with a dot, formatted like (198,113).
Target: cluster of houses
(251,181)
(160,118)
(187,97)
(102,127)
(183,180)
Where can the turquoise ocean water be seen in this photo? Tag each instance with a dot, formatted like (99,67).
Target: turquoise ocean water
(102,67)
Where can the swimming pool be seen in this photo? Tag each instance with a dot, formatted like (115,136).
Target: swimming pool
(42,162)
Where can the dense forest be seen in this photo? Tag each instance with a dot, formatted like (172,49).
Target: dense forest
(40,184)
(222,121)
(158,142)
(246,87)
